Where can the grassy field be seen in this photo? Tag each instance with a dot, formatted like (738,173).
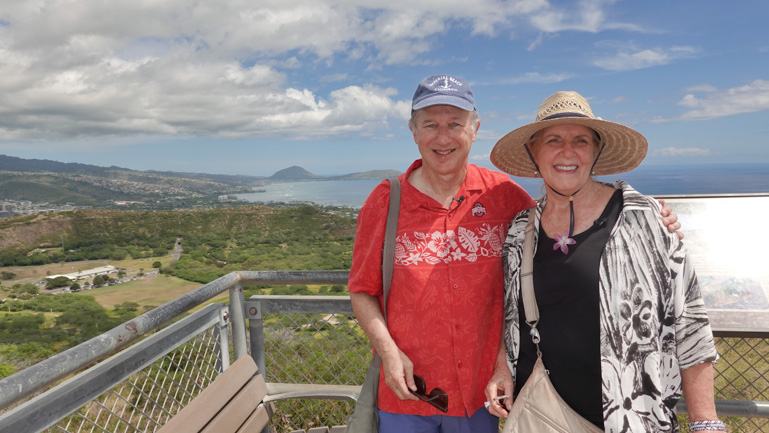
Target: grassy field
(33,274)
(152,291)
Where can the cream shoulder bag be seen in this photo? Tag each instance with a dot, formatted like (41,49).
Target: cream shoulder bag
(538,407)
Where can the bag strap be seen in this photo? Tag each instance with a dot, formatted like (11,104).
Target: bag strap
(530,308)
(388,251)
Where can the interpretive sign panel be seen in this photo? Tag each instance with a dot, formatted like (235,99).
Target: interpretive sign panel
(728,242)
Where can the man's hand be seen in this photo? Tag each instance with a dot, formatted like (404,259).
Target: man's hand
(397,367)
(399,375)
(670,220)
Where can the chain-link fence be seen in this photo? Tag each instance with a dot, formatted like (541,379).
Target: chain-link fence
(742,373)
(311,348)
(145,401)
(317,349)
(328,348)
(136,389)
(295,340)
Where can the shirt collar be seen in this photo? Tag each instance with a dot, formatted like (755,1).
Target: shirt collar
(413,198)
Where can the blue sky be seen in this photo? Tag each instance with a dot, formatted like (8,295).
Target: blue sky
(246,87)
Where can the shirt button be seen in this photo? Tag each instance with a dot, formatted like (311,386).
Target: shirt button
(456,286)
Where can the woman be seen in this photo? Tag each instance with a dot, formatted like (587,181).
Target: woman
(623,326)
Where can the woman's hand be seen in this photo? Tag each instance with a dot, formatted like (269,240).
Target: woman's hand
(500,384)
(670,220)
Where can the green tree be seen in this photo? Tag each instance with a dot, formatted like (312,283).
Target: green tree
(7,275)
(75,287)
(55,283)
(6,370)
(156,264)
(127,306)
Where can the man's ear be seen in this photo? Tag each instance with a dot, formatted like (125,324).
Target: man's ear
(413,133)
(477,127)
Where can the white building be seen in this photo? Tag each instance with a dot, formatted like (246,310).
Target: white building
(101,270)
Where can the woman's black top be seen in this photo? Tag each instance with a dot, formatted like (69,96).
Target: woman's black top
(566,288)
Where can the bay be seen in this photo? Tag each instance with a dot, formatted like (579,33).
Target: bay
(349,193)
(694,179)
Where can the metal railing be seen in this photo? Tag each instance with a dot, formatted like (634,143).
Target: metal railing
(741,386)
(134,377)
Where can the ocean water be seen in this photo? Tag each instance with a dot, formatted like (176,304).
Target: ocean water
(350,193)
(651,180)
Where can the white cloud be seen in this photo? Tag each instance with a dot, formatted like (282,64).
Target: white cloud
(632,59)
(215,67)
(702,88)
(682,151)
(224,67)
(536,77)
(750,98)
(586,16)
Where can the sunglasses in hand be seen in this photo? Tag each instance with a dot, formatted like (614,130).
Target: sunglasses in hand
(437,397)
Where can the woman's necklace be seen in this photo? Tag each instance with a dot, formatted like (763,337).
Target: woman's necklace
(563,240)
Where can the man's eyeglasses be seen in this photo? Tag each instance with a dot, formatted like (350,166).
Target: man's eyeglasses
(437,397)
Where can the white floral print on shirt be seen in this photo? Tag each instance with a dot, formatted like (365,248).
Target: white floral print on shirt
(444,247)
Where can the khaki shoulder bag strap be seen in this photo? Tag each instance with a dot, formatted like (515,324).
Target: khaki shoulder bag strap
(527,277)
(365,418)
(388,249)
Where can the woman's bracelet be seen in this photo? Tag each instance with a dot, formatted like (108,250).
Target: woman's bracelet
(714,425)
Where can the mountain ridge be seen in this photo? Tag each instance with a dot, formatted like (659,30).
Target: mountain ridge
(16,164)
(59,183)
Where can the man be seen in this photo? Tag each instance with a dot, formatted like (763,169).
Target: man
(444,312)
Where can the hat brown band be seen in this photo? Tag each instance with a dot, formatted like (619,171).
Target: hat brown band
(561,115)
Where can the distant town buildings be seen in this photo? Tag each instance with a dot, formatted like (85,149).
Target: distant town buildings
(11,208)
(6,210)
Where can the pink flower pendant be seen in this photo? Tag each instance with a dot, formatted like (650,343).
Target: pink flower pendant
(563,241)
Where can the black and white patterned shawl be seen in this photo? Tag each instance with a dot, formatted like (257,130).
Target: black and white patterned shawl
(653,319)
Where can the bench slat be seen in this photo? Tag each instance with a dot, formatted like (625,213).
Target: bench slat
(198,413)
(257,421)
(239,408)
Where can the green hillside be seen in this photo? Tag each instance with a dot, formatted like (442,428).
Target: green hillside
(214,242)
(58,191)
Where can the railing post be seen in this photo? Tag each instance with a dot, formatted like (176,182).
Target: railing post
(224,339)
(238,321)
(256,331)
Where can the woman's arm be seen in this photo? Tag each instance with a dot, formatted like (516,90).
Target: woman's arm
(501,383)
(697,382)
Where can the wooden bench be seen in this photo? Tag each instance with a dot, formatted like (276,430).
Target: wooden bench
(231,403)
(237,401)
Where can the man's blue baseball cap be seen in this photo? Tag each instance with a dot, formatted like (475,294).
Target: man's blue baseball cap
(443,90)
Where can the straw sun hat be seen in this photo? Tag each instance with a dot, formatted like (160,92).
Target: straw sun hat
(624,148)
